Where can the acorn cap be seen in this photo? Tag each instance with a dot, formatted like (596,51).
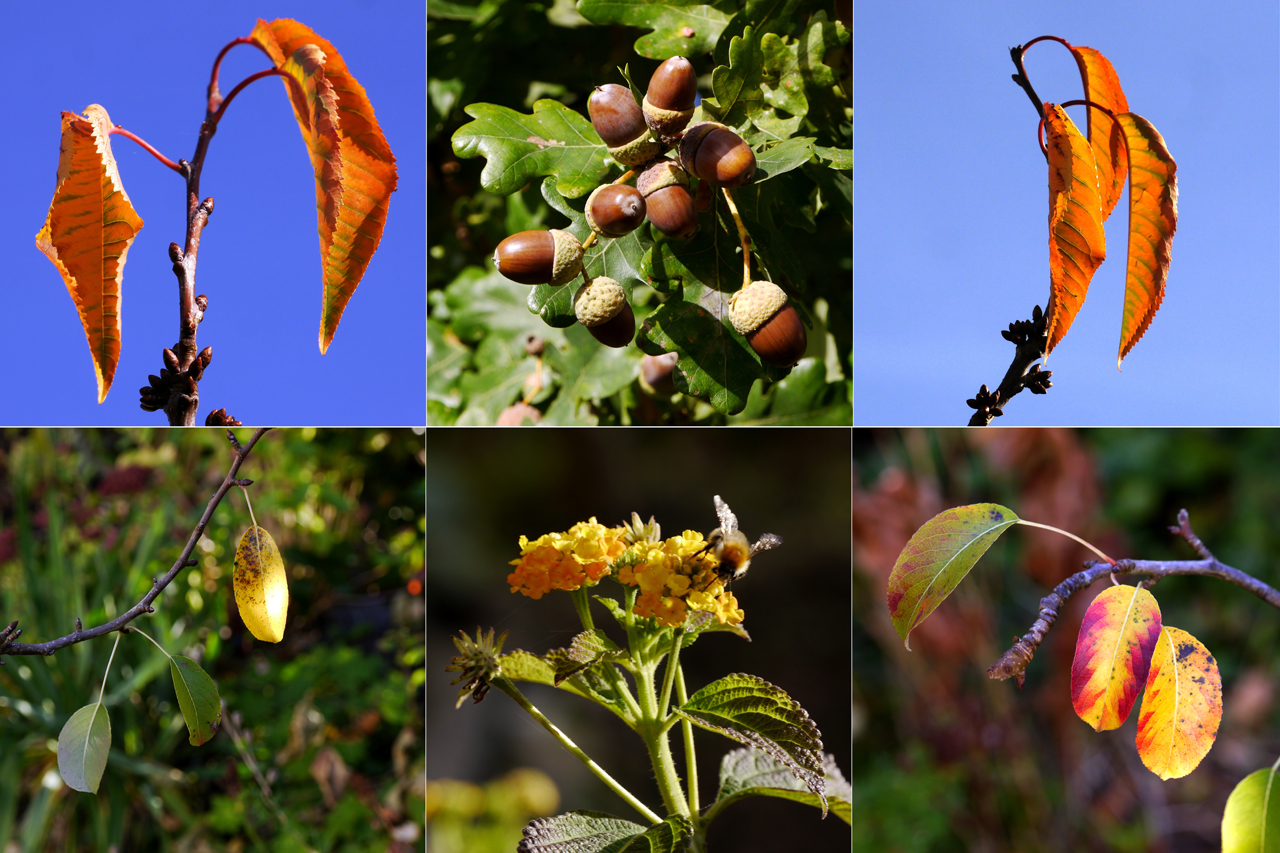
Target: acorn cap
(621,125)
(661,173)
(598,301)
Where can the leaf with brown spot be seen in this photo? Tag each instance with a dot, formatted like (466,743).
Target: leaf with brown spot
(87,234)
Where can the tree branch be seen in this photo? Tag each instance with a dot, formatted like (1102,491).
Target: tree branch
(1029,336)
(11,633)
(1013,663)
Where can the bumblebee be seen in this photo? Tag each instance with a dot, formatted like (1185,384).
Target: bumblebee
(731,547)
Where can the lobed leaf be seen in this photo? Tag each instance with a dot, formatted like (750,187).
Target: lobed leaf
(1153,217)
(1113,655)
(83,745)
(1251,820)
(937,558)
(677,29)
(1182,706)
(355,173)
(197,698)
(87,234)
(1076,241)
(1102,86)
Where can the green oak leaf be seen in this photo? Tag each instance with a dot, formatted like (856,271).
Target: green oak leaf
(670,23)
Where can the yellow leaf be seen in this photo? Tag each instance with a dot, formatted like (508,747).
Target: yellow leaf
(1076,242)
(1182,705)
(353,188)
(261,587)
(87,234)
(1153,217)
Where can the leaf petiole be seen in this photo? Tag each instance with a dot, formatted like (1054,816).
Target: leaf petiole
(1069,536)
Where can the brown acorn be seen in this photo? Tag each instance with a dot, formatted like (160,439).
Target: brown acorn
(601,305)
(539,257)
(615,210)
(668,105)
(619,121)
(665,188)
(713,153)
(760,313)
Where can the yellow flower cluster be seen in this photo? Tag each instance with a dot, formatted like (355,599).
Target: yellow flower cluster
(663,571)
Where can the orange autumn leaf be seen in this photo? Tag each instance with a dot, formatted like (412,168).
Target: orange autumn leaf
(87,234)
(1102,86)
(1153,217)
(1076,242)
(1113,654)
(1182,707)
(355,169)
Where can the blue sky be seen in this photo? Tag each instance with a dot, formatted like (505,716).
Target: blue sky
(951,206)
(259,259)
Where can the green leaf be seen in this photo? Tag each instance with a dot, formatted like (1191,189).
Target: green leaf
(757,714)
(553,140)
(795,71)
(737,85)
(749,773)
(588,831)
(1251,820)
(938,557)
(198,699)
(587,370)
(667,20)
(83,745)
(587,648)
(526,666)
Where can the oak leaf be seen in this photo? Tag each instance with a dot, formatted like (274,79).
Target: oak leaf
(1076,241)
(355,169)
(87,234)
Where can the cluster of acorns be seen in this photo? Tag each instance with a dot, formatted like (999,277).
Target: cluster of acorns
(638,137)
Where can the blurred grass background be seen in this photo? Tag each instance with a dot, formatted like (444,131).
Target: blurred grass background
(945,758)
(331,716)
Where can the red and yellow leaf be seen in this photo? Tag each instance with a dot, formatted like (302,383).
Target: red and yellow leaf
(1251,820)
(937,558)
(1153,217)
(1076,242)
(1182,706)
(87,234)
(355,171)
(1102,86)
(1113,654)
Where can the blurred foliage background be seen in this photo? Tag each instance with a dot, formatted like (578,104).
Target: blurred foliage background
(330,717)
(947,759)
(512,53)
(492,767)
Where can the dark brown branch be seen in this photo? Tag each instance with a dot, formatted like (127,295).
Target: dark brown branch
(1029,336)
(7,637)
(1013,663)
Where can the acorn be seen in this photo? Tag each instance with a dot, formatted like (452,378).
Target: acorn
(665,188)
(760,313)
(539,257)
(619,121)
(601,305)
(713,153)
(615,210)
(657,373)
(668,105)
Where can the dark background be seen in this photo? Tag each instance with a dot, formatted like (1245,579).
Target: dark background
(487,487)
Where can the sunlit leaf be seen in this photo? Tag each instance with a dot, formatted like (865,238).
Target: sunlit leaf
(1182,706)
(1102,86)
(587,830)
(353,190)
(87,234)
(198,699)
(1113,655)
(83,745)
(261,587)
(937,558)
(1153,217)
(1076,242)
(1251,820)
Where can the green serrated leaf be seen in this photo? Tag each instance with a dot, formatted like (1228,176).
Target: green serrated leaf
(526,666)
(83,745)
(553,140)
(749,772)
(585,831)
(760,715)
(198,699)
(937,558)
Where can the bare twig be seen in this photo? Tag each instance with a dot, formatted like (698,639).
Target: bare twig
(12,632)
(1029,336)
(1013,663)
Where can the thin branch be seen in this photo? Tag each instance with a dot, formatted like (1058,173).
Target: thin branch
(1029,337)
(8,647)
(1013,663)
